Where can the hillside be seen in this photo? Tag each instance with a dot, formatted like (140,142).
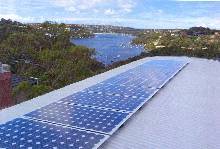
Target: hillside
(44,52)
(195,42)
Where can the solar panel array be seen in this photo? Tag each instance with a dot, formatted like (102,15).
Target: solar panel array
(86,119)
(27,134)
(82,117)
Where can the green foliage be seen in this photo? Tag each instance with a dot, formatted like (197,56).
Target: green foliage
(37,90)
(195,31)
(44,52)
(20,92)
(26,91)
(163,43)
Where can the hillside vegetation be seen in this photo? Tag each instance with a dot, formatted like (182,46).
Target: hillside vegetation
(196,42)
(44,52)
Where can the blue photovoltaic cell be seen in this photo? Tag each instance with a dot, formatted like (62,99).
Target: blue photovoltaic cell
(152,74)
(81,117)
(72,122)
(27,134)
(127,91)
(127,101)
(124,91)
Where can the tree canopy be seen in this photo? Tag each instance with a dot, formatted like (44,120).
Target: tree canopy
(44,52)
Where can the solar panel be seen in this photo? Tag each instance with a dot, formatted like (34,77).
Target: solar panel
(153,74)
(27,134)
(124,100)
(120,90)
(88,118)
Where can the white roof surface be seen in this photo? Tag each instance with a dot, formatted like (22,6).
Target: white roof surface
(185,114)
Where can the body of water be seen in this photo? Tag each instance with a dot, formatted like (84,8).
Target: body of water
(111,47)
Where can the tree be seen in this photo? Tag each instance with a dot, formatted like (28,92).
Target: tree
(26,91)
(44,51)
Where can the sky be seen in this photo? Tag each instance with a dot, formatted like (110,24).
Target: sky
(132,13)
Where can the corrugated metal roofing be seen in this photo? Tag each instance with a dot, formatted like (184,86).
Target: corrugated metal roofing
(183,115)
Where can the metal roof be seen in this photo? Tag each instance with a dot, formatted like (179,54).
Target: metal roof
(184,114)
